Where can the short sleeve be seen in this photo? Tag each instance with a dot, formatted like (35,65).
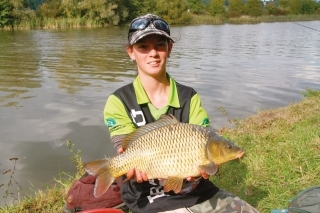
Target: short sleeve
(198,114)
(116,117)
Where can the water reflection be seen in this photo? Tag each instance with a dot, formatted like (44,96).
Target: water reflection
(74,61)
(18,65)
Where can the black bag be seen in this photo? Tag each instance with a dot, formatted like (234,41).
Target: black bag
(307,201)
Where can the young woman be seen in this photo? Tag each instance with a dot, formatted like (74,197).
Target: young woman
(143,101)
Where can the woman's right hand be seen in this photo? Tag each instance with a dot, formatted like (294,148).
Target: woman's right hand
(134,174)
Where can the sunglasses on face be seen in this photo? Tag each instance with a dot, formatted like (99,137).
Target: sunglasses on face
(143,23)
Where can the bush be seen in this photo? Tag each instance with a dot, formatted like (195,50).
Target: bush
(233,14)
(236,7)
(254,7)
(50,9)
(6,17)
(217,7)
(271,8)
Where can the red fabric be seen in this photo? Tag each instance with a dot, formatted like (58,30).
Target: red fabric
(80,195)
(104,210)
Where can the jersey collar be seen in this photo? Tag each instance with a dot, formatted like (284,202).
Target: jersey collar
(142,97)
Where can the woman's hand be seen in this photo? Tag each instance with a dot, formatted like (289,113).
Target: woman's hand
(138,175)
(132,173)
(120,150)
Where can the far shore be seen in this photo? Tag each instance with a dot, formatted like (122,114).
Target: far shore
(65,23)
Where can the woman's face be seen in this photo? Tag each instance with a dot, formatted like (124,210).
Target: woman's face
(150,54)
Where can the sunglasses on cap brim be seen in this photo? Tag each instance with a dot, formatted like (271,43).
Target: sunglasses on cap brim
(143,23)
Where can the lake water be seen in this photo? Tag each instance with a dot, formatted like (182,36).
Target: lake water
(54,84)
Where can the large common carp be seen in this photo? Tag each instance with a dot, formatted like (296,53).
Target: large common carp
(166,149)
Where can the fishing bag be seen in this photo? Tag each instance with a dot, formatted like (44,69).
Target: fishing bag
(307,201)
(80,196)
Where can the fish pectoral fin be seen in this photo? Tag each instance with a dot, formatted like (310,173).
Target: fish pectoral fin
(210,168)
(100,169)
(174,184)
(103,182)
(96,166)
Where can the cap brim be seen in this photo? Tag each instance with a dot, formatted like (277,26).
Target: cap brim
(137,35)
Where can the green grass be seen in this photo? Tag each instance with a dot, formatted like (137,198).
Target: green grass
(282,158)
(282,154)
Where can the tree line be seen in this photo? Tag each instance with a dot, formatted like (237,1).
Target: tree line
(117,12)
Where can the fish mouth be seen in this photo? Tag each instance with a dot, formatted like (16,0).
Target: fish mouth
(240,155)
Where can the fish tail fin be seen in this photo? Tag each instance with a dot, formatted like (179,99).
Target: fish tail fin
(100,168)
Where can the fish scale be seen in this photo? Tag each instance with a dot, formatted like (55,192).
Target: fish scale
(162,152)
(166,149)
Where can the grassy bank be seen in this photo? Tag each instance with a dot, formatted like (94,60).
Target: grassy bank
(282,157)
(282,154)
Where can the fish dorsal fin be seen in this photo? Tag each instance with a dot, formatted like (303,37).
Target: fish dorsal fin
(165,120)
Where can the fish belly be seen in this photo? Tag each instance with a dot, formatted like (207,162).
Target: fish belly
(175,151)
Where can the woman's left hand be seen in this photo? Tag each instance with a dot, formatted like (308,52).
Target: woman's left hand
(138,175)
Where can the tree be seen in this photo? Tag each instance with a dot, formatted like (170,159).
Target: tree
(195,6)
(50,9)
(295,6)
(135,8)
(308,7)
(19,11)
(141,7)
(174,11)
(236,7)
(284,3)
(104,11)
(271,8)
(34,4)
(254,7)
(217,7)
(69,8)
(6,17)
(284,7)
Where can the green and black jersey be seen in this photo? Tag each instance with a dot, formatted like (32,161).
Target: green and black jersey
(184,103)
(129,108)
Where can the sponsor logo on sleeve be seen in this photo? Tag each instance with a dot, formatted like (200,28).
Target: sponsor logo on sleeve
(115,128)
(205,122)
(110,122)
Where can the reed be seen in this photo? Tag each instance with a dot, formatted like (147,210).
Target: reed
(270,18)
(245,19)
(207,19)
(56,23)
